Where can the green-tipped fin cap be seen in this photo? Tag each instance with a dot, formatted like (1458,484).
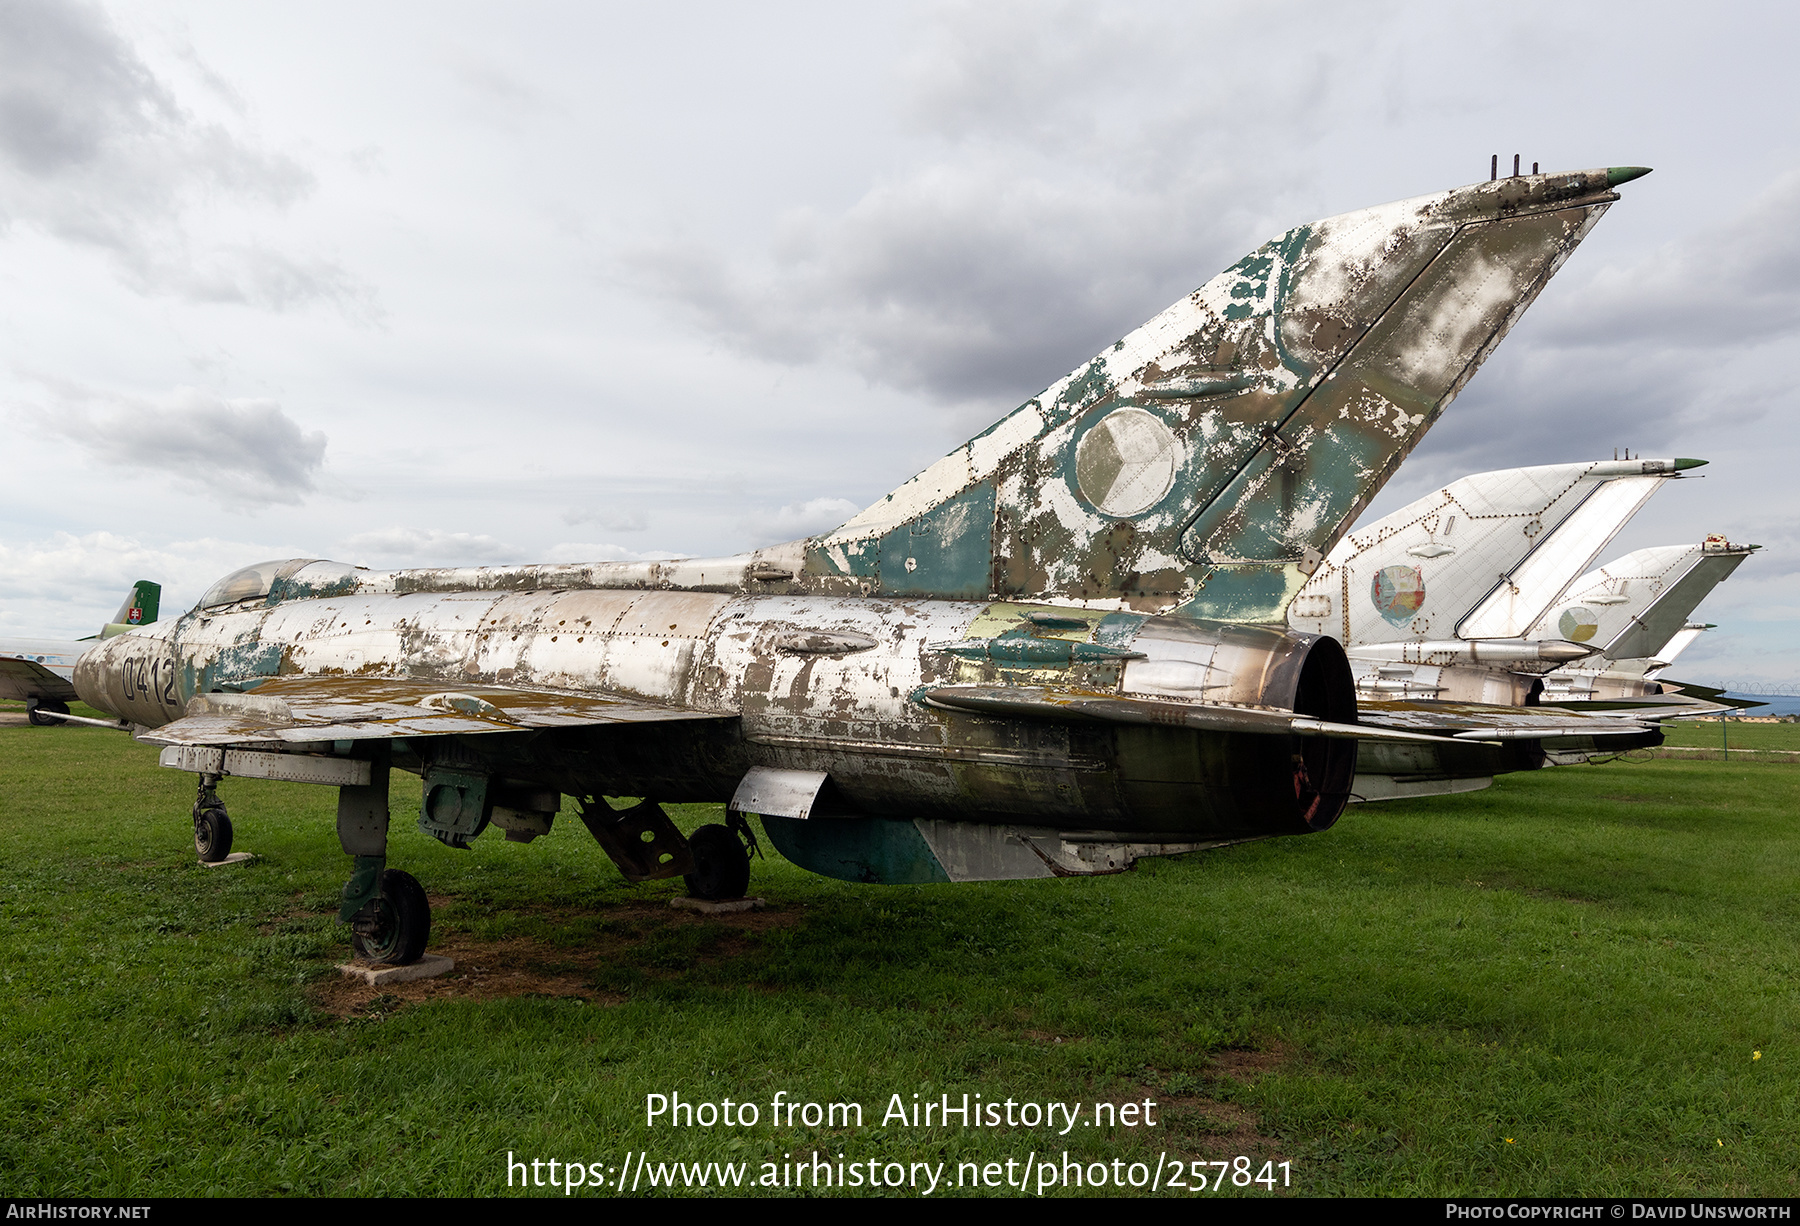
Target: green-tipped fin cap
(1616,175)
(1682,462)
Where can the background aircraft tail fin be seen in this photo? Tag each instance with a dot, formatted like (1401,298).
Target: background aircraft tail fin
(1490,550)
(1633,607)
(140,608)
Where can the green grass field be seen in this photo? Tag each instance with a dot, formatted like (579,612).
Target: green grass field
(1734,735)
(1580,981)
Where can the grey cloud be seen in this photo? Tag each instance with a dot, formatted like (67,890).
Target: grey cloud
(990,68)
(965,281)
(259,276)
(503,97)
(1737,284)
(96,150)
(800,519)
(72,87)
(241,453)
(612,521)
(69,585)
(1528,406)
(581,551)
(429,547)
(1144,87)
(1779,556)
(1077,176)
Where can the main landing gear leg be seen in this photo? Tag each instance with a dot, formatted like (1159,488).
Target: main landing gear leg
(386,909)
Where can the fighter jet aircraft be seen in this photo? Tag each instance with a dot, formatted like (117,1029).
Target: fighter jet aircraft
(1054,651)
(41,672)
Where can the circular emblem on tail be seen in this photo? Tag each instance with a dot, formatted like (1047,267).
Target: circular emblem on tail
(1126,462)
(1397,593)
(1578,624)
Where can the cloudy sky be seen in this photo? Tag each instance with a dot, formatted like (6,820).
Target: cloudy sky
(433,283)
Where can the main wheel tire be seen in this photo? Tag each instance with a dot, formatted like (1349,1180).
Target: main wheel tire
(212,834)
(402,922)
(33,712)
(721,865)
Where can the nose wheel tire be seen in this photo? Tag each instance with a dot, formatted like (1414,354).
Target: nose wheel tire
(721,865)
(212,834)
(395,927)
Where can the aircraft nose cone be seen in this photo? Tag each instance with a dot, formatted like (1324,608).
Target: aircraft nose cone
(93,671)
(130,675)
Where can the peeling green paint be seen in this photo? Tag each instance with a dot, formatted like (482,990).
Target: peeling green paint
(872,850)
(240,662)
(1250,592)
(947,553)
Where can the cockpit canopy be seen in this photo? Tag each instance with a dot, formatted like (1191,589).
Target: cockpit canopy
(270,583)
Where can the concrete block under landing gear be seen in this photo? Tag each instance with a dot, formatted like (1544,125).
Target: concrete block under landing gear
(236,857)
(427,967)
(729,906)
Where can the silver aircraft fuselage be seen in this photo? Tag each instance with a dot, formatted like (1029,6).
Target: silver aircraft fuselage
(831,684)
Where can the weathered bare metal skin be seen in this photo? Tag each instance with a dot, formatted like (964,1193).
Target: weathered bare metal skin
(1133,533)
(610,678)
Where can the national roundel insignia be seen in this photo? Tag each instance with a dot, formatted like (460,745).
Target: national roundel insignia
(1397,592)
(1578,624)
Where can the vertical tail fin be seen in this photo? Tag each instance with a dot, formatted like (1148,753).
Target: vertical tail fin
(1206,462)
(1482,558)
(140,608)
(1632,607)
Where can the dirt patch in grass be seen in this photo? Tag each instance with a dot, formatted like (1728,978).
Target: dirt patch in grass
(1207,1128)
(1246,1067)
(528,966)
(1203,1128)
(484,970)
(1199,1127)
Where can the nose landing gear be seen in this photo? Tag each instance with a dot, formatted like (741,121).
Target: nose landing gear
(212,826)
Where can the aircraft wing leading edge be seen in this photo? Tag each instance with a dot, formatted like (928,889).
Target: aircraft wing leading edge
(307,710)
